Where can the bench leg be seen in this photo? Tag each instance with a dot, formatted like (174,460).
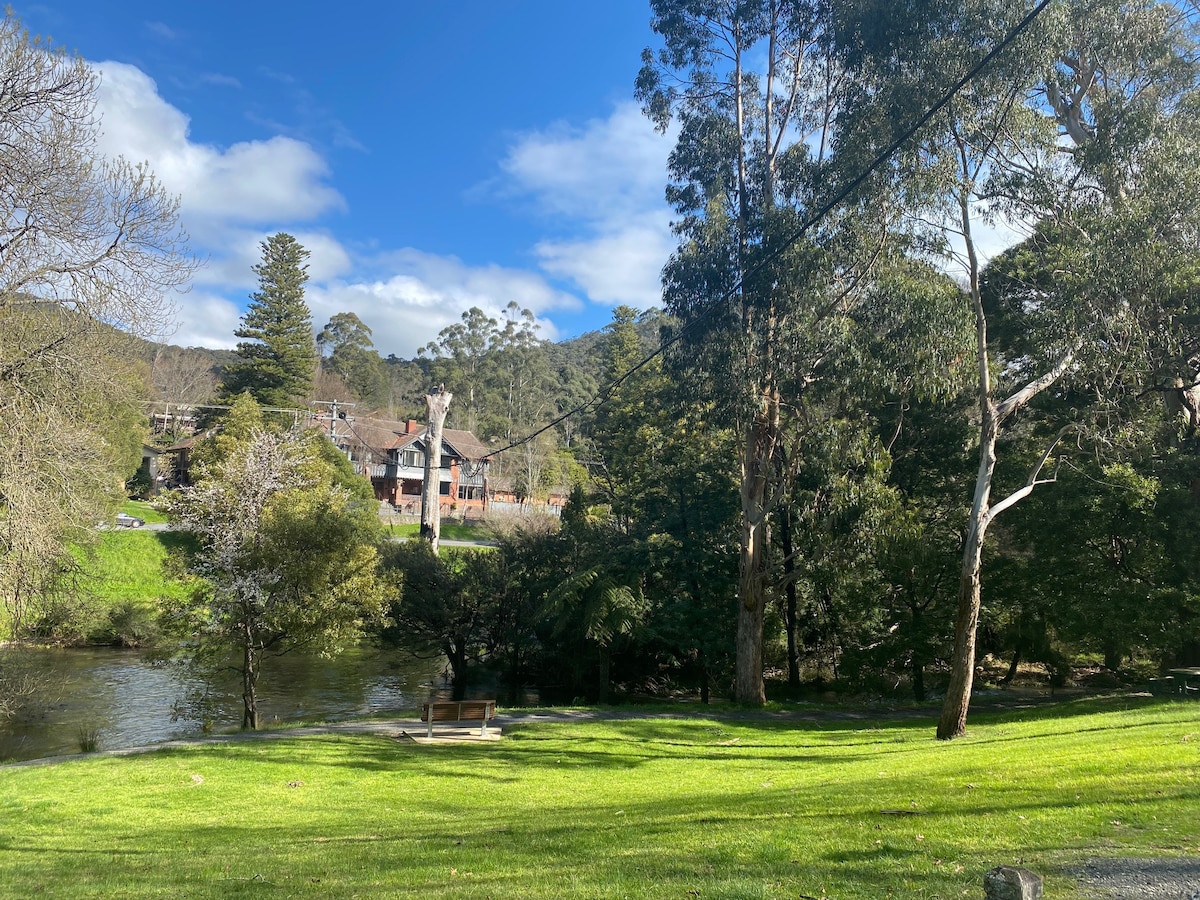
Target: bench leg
(483,727)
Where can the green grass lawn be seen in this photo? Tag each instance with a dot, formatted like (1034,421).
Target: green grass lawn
(124,578)
(679,808)
(449,531)
(144,511)
(129,564)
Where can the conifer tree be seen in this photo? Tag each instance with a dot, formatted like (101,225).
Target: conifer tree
(278,357)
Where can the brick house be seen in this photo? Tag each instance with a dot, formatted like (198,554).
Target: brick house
(392,455)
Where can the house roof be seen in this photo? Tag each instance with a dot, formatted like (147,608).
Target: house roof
(382,435)
(467,445)
(377,435)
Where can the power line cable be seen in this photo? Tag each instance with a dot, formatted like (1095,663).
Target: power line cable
(822,211)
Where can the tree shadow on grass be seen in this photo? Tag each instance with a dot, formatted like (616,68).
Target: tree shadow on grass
(763,842)
(629,743)
(523,816)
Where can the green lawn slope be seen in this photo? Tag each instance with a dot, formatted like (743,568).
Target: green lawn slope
(134,565)
(673,808)
(143,510)
(125,578)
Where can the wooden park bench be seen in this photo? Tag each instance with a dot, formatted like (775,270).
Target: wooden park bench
(459,711)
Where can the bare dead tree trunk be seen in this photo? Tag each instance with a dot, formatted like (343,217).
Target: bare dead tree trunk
(437,402)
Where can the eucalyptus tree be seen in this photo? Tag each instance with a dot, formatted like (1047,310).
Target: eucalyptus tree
(500,369)
(346,349)
(527,383)
(462,358)
(1057,132)
(407,382)
(278,358)
(766,296)
(862,507)
(663,466)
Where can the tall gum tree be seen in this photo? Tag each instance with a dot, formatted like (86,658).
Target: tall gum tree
(463,357)
(1106,95)
(757,92)
(1052,135)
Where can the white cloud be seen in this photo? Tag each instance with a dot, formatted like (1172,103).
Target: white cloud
(205,320)
(604,184)
(414,297)
(421,294)
(224,194)
(599,186)
(606,170)
(327,259)
(280,179)
(219,79)
(620,266)
(161,30)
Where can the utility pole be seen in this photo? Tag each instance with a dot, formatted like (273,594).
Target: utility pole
(334,414)
(437,402)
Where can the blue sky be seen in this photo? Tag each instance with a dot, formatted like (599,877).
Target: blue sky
(432,156)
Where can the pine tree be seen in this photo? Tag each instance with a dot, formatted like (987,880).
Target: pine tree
(279,358)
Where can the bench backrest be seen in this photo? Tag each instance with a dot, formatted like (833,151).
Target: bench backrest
(458,710)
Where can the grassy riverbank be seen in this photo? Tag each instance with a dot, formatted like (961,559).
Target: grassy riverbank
(692,807)
(123,581)
(143,510)
(132,565)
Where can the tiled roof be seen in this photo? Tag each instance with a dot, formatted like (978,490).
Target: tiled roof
(381,435)
(467,445)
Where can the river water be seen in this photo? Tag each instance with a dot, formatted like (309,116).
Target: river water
(130,701)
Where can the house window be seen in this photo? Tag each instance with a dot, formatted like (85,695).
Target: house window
(444,488)
(410,458)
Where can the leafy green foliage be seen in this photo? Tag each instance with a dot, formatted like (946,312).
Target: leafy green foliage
(70,433)
(351,354)
(448,603)
(288,556)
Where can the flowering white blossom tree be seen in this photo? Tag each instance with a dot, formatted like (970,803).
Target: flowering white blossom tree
(288,557)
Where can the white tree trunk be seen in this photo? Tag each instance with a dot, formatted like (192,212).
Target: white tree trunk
(438,404)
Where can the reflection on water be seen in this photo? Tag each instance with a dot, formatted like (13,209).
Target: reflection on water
(133,702)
